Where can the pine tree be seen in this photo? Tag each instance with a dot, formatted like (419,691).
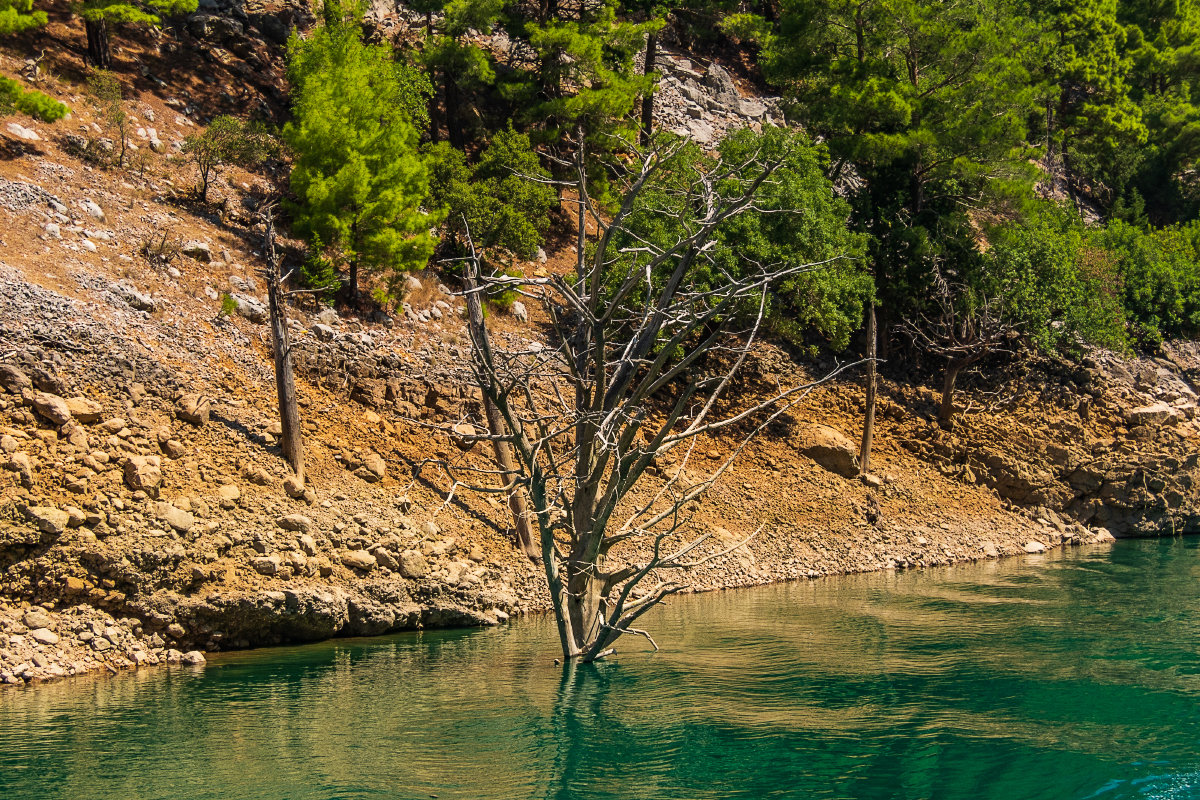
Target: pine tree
(17,16)
(463,66)
(357,173)
(98,14)
(921,105)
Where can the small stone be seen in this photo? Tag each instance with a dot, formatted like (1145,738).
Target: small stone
(176,631)
(195,408)
(308,545)
(359,559)
(266,565)
(295,522)
(44,636)
(94,211)
(85,410)
(293,487)
(374,468)
(229,495)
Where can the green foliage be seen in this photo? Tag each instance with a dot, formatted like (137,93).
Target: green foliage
(228,305)
(228,140)
(504,209)
(319,272)
(1160,273)
(916,101)
(357,175)
(800,221)
(107,92)
(1060,289)
(17,16)
(28,101)
(149,12)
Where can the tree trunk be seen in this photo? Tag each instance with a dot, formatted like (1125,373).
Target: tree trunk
(868,436)
(648,98)
(946,411)
(98,53)
(285,380)
(497,428)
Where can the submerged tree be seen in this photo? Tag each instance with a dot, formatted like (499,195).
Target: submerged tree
(643,361)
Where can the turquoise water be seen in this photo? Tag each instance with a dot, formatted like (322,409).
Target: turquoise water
(1074,675)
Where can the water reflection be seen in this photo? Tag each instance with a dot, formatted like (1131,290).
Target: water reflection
(1058,677)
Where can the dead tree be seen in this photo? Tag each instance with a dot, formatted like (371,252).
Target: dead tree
(285,380)
(868,437)
(496,426)
(641,363)
(966,326)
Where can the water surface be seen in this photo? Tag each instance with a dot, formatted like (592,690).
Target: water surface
(1075,675)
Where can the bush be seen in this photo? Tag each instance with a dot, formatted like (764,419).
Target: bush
(1160,273)
(319,272)
(28,101)
(501,206)
(227,140)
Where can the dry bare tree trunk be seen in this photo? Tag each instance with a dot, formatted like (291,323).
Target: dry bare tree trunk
(868,437)
(626,381)
(499,433)
(285,380)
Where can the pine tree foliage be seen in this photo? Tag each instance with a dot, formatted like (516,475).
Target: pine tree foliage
(357,172)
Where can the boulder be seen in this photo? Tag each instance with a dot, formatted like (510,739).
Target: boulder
(21,132)
(359,560)
(194,408)
(143,473)
(327,316)
(723,91)
(200,251)
(52,407)
(1034,546)
(84,410)
(295,522)
(94,211)
(229,495)
(830,449)
(37,618)
(193,657)
(44,636)
(14,380)
(519,311)
(49,519)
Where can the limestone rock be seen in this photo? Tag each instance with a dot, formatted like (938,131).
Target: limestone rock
(44,636)
(293,487)
(249,307)
(295,522)
(373,468)
(13,380)
(1034,546)
(267,565)
(49,519)
(177,518)
(193,657)
(830,449)
(143,473)
(519,311)
(134,298)
(359,559)
(85,410)
(194,408)
(21,132)
(52,407)
(1154,415)
(200,251)
(413,565)
(229,495)
(37,618)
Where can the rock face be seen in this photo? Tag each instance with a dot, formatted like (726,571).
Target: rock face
(830,449)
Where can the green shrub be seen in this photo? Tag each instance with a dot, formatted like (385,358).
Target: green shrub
(319,272)
(29,101)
